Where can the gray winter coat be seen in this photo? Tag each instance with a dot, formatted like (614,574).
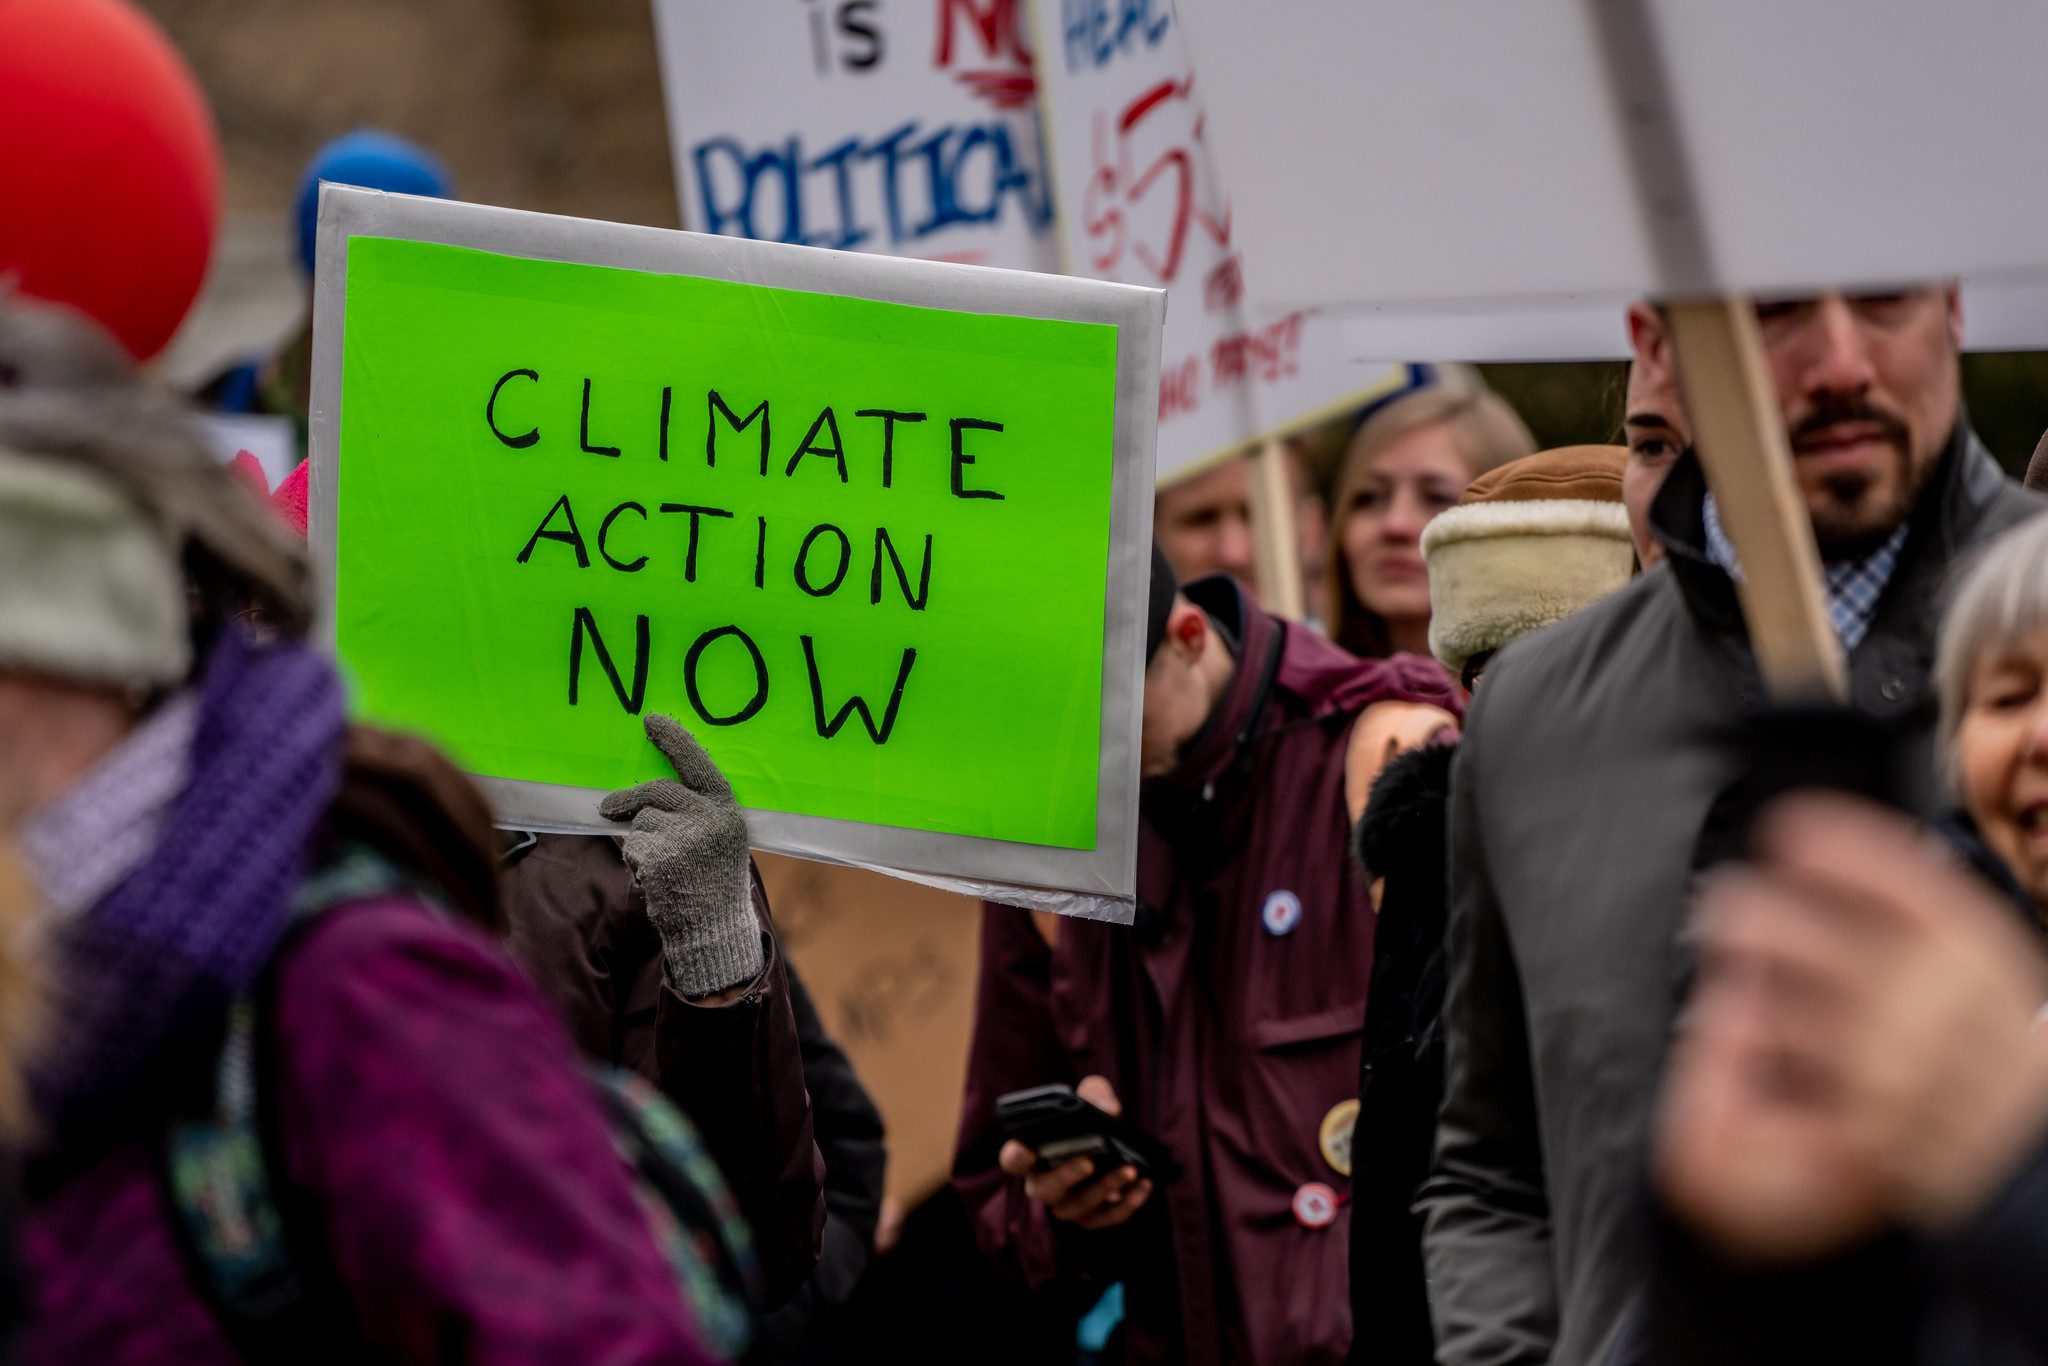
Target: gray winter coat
(1587,771)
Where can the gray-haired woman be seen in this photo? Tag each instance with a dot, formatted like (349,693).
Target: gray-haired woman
(1991,671)
(1858,1101)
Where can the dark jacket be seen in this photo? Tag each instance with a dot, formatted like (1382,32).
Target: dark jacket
(850,1136)
(1973,1299)
(1226,1040)
(1583,782)
(578,923)
(1400,840)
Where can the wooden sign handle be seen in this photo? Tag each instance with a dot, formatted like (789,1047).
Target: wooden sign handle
(1275,533)
(1740,436)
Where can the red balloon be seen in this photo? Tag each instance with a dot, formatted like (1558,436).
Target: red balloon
(109,166)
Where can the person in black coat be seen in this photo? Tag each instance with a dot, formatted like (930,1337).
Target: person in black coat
(1528,544)
(849,1132)
(1401,1074)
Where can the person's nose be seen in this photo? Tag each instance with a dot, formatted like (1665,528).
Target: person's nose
(1836,350)
(2036,740)
(1406,516)
(1234,548)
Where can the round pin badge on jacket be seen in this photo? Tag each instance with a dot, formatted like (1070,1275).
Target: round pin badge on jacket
(1281,913)
(1334,1138)
(1315,1205)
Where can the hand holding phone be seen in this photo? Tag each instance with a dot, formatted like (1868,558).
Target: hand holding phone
(1075,1156)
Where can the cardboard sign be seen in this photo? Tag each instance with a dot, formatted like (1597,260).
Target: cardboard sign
(905,128)
(892,970)
(1497,181)
(849,519)
(1141,202)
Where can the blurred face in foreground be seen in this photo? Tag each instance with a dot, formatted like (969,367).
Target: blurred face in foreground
(1870,390)
(50,733)
(2001,756)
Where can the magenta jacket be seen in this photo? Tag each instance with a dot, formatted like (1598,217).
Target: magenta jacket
(1227,1019)
(431,1105)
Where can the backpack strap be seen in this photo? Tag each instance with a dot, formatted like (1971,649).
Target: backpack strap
(691,1210)
(252,1241)
(245,1236)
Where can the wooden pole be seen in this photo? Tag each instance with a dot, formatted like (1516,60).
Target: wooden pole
(1740,436)
(1275,533)
(1736,425)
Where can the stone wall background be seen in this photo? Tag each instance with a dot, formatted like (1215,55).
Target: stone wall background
(540,104)
(536,104)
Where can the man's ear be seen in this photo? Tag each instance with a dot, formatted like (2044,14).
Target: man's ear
(1953,290)
(1651,342)
(1187,630)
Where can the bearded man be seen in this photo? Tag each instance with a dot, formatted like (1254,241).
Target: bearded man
(1588,770)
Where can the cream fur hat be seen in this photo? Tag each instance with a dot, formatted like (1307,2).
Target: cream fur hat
(89,587)
(1528,544)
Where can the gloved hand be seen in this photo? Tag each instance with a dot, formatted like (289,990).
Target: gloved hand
(688,850)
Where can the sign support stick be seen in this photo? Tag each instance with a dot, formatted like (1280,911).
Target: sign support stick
(1274,533)
(1741,441)
(1719,357)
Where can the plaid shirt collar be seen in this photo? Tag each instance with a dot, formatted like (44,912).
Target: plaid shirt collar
(1853,586)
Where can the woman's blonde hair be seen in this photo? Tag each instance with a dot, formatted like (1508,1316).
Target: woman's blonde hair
(1484,429)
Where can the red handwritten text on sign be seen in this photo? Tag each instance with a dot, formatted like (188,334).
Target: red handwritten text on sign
(1150,186)
(995,34)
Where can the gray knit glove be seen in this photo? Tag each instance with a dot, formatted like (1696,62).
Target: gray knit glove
(688,850)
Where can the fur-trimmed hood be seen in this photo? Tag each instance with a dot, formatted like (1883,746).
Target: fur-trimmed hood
(1529,545)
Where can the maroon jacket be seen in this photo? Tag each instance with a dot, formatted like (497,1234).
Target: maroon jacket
(1227,1022)
(578,922)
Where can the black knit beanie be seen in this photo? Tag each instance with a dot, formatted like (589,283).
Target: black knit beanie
(1163,589)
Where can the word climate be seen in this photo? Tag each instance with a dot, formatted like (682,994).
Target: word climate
(673,541)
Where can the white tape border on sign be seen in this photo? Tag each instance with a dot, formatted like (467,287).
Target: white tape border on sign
(1101,882)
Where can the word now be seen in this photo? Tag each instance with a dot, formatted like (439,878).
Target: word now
(632,696)
(821,440)
(925,180)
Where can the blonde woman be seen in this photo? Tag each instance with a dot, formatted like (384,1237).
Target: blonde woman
(1409,460)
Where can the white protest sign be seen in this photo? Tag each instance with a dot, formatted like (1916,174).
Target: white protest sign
(904,127)
(1461,178)
(1141,202)
(875,530)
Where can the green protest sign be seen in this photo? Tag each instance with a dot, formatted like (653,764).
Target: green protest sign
(860,546)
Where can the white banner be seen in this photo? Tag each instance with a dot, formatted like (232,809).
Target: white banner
(1457,178)
(1141,203)
(904,127)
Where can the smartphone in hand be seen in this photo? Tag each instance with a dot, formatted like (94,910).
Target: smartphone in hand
(1059,1126)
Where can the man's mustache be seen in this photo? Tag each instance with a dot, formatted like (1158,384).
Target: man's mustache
(1841,412)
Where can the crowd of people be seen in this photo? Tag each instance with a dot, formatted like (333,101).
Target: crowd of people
(1512,977)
